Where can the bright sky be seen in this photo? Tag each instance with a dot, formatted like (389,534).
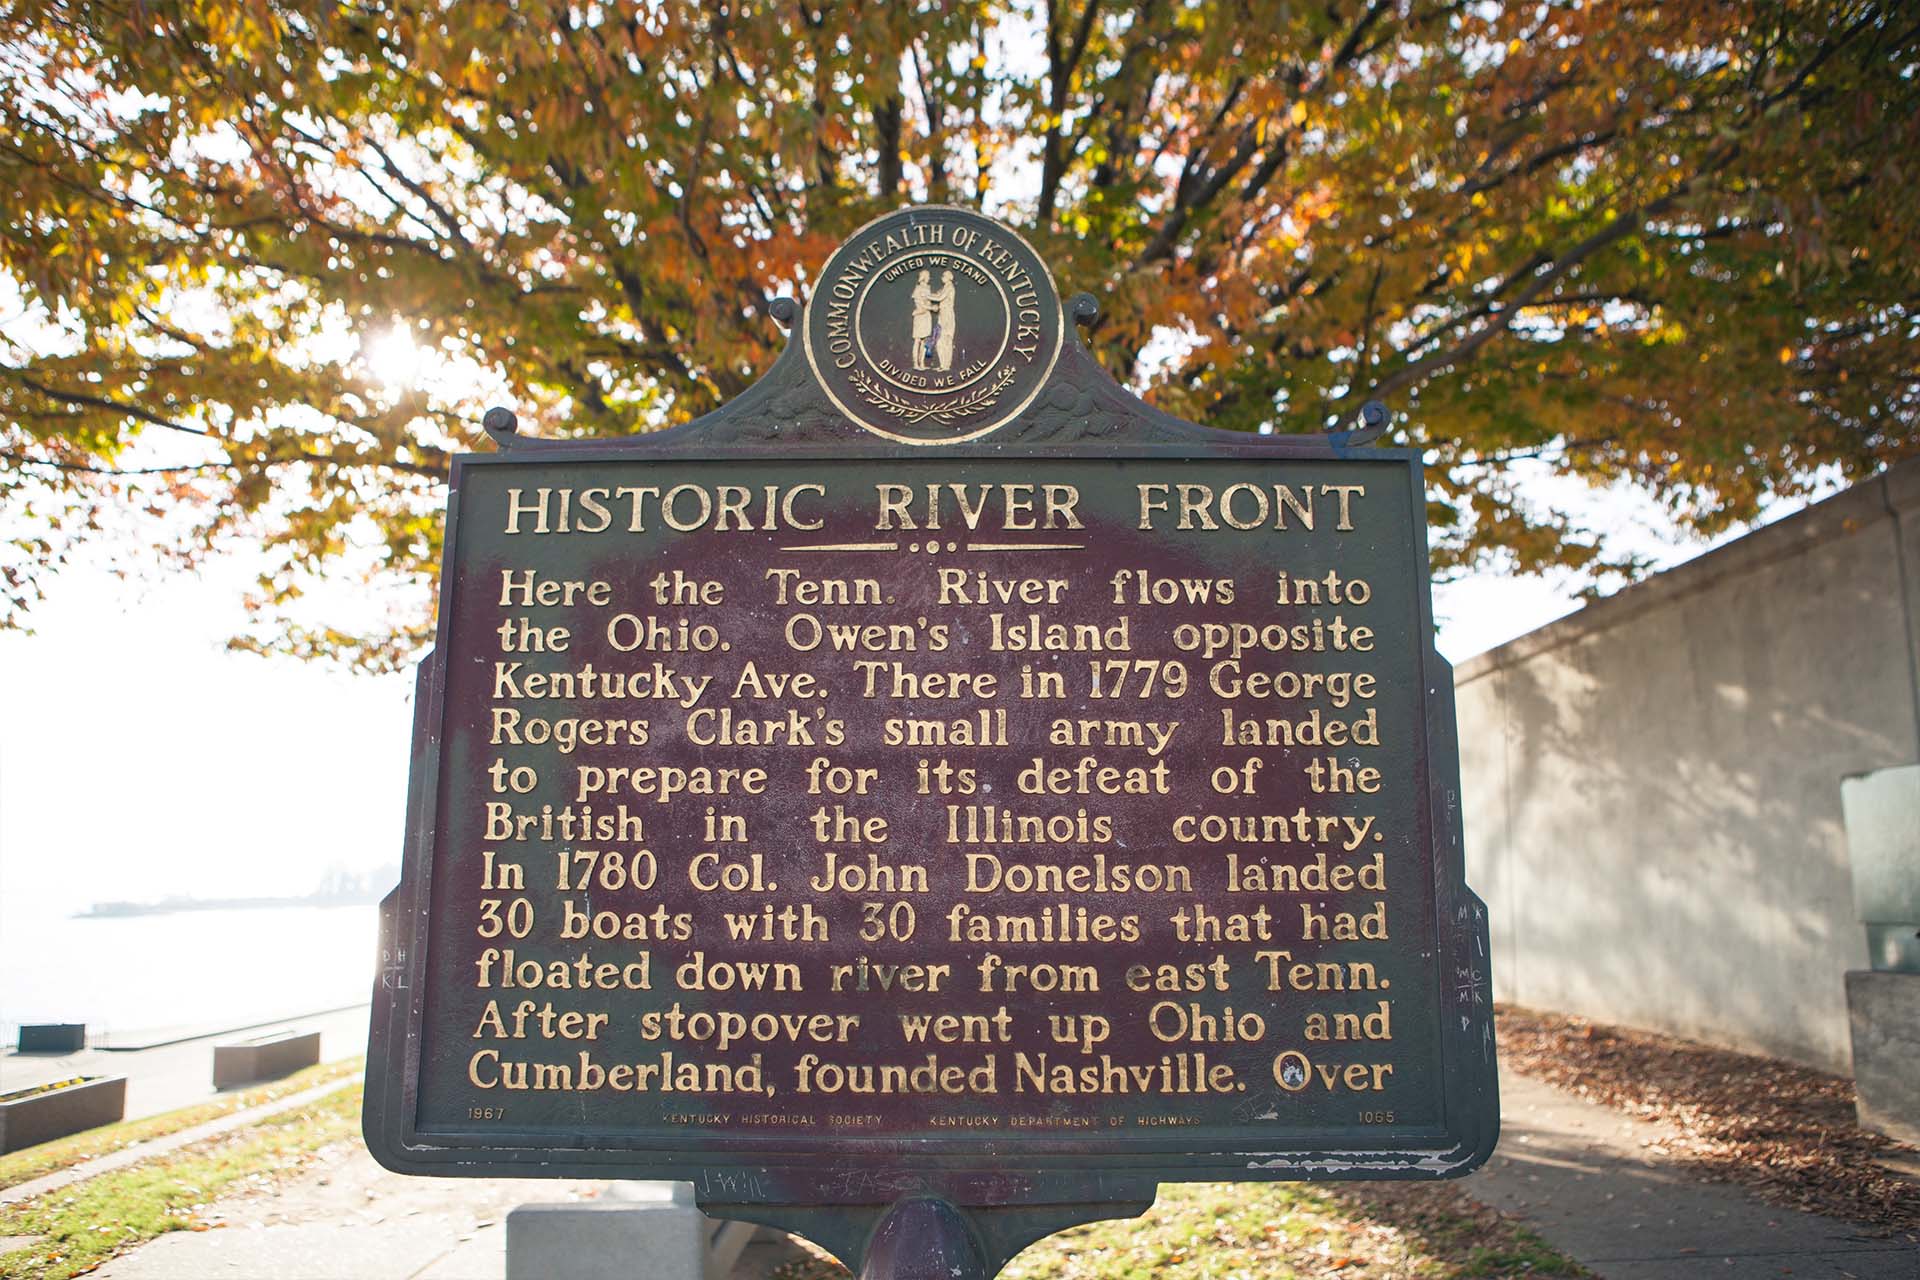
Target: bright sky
(139,759)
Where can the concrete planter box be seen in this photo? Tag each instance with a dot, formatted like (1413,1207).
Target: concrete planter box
(53,1037)
(42,1113)
(265,1057)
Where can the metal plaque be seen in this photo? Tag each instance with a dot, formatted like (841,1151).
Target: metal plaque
(935,774)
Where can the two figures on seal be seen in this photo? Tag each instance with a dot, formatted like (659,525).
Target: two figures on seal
(933,323)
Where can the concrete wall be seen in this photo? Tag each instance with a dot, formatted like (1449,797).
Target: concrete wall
(1652,785)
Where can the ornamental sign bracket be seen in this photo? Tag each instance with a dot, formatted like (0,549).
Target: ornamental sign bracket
(935,797)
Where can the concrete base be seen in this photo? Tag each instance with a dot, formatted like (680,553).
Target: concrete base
(1884,1009)
(635,1231)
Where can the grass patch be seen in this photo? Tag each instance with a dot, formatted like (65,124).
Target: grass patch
(83,1225)
(1283,1231)
(47,1157)
(1463,1238)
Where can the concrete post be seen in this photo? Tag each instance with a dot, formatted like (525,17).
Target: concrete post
(634,1231)
(1883,1003)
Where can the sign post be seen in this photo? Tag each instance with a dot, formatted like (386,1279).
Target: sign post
(936,797)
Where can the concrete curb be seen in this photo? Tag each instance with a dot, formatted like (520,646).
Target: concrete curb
(187,1035)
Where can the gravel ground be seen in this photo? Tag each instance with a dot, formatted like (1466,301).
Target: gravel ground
(1786,1132)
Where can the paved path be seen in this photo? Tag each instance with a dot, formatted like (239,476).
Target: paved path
(352,1220)
(178,1073)
(1584,1177)
(1581,1175)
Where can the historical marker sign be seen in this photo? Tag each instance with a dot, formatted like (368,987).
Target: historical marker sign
(936,773)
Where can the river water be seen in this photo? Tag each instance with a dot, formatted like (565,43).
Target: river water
(130,975)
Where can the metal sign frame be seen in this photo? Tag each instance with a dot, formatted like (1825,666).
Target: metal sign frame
(997,1191)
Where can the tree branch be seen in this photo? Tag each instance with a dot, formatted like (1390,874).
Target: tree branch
(886,127)
(81,399)
(1502,318)
(25,461)
(1063,59)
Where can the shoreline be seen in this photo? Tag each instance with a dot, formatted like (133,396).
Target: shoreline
(141,1039)
(182,906)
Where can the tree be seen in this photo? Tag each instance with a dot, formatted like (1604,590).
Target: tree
(1674,242)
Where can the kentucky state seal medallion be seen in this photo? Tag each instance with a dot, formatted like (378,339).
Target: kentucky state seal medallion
(933,325)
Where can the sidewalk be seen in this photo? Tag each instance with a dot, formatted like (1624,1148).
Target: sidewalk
(1578,1173)
(355,1221)
(1584,1179)
(179,1072)
(351,1220)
